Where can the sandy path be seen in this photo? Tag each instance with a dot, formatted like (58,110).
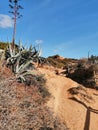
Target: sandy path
(76,115)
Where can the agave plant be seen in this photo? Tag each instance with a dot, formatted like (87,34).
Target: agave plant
(22,61)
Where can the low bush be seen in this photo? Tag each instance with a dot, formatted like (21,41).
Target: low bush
(83,76)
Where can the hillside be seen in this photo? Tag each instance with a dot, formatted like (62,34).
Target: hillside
(60,62)
(39,96)
(23,107)
(78,109)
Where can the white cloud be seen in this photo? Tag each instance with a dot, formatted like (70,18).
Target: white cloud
(5,21)
(39,41)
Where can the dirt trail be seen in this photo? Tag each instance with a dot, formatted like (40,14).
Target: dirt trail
(77,115)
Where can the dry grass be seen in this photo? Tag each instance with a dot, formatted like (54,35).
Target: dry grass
(24,109)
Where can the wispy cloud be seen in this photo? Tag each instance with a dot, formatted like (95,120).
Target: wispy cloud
(78,46)
(39,41)
(5,21)
(63,46)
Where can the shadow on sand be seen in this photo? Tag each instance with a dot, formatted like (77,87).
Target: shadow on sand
(89,109)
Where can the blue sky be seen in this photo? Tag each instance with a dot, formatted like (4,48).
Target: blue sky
(65,27)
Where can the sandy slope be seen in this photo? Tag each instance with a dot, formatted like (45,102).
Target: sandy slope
(78,116)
